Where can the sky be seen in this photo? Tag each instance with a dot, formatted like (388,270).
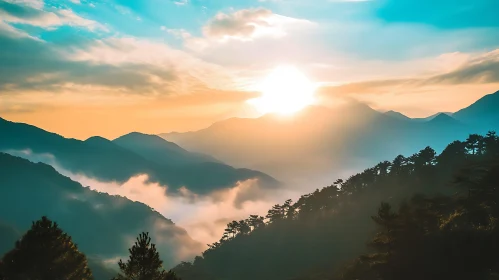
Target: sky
(108,67)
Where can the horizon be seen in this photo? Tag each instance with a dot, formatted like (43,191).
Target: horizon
(83,138)
(159,66)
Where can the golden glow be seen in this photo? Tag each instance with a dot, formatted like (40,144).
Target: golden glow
(285,90)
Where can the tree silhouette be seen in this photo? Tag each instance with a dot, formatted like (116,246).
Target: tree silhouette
(45,252)
(144,262)
(442,222)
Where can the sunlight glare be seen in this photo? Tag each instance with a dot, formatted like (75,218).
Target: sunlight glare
(285,90)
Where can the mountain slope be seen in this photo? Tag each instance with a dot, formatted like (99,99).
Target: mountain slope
(102,159)
(103,226)
(397,115)
(319,143)
(324,228)
(483,114)
(157,149)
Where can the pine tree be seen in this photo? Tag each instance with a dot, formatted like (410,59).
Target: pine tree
(144,262)
(45,252)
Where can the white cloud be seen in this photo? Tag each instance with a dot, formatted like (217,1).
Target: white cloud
(76,1)
(178,33)
(249,24)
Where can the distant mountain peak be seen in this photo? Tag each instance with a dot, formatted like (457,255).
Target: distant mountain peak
(140,135)
(442,117)
(97,139)
(160,150)
(397,115)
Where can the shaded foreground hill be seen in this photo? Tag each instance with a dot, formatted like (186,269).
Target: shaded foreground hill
(128,156)
(312,237)
(103,226)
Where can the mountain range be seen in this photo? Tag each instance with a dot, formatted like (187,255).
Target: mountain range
(127,156)
(318,145)
(333,141)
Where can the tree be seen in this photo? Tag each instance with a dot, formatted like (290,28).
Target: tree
(144,262)
(45,252)
(256,221)
(475,144)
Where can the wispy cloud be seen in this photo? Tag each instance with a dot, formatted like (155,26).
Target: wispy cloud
(38,4)
(34,15)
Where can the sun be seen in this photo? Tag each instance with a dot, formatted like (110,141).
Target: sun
(285,90)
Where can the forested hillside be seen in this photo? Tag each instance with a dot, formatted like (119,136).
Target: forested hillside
(447,230)
(101,224)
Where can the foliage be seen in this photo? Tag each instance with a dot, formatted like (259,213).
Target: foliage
(144,262)
(45,252)
(323,229)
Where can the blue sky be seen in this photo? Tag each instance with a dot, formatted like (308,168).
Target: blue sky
(161,65)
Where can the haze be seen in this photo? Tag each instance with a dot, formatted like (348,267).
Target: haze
(232,132)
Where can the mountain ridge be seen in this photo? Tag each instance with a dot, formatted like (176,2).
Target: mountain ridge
(352,133)
(102,159)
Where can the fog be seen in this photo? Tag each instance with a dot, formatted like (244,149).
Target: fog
(203,216)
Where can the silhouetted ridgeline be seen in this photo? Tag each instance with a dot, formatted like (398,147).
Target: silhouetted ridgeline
(322,230)
(328,143)
(128,156)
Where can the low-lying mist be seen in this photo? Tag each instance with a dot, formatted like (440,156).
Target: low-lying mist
(203,216)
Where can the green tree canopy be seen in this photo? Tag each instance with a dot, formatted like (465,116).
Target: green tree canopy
(45,252)
(144,262)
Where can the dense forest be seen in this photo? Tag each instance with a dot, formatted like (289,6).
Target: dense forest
(426,216)
(437,220)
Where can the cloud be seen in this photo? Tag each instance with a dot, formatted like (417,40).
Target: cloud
(461,81)
(203,216)
(36,16)
(9,31)
(32,64)
(38,4)
(123,64)
(475,69)
(130,52)
(243,26)
(480,70)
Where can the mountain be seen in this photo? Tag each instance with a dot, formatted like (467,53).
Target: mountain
(445,224)
(126,157)
(429,118)
(483,114)
(157,149)
(319,143)
(401,116)
(397,115)
(103,226)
